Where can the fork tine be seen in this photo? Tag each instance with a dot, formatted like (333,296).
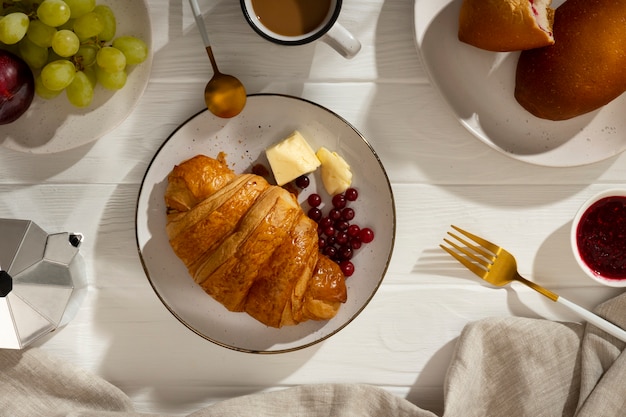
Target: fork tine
(482,242)
(479,250)
(478,259)
(473,267)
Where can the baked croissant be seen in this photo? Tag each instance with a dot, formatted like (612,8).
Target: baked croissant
(249,244)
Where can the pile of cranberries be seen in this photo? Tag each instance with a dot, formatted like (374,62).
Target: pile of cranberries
(339,237)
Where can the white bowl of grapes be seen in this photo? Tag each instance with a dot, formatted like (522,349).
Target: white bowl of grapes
(70,70)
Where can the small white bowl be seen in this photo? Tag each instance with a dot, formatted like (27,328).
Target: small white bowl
(586,254)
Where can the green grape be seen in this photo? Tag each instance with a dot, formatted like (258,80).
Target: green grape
(108,20)
(13,27)
(111,80)
(80,7)
(88,25)
(53,56)
(44,92)
(8,7)
(14,49)
(65,43)
(135,50)
(34,55)
(80,90)
(57,75)
(72,44)
(90,72)
(69,25)
(40,34)
(86,56)
(53,12)
(111,59)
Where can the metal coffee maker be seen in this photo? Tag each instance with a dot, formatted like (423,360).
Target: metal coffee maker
(42,281)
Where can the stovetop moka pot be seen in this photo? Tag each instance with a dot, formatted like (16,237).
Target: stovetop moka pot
(42,281)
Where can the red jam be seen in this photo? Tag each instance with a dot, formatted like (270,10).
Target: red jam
(601,237)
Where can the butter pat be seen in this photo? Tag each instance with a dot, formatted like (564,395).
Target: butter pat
(335,171)
(291,157)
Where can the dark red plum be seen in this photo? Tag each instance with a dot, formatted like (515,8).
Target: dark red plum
(17,87)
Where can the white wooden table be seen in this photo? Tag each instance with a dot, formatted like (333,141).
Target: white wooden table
(440,174)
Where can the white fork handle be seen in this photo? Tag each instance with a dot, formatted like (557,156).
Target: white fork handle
(594,319)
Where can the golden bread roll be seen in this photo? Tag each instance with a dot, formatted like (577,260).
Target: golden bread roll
(584,69)
(506,25)
(249,245)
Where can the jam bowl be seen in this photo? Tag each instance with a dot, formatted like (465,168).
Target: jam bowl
(598,237)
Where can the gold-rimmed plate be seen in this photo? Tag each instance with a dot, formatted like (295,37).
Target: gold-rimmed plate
(266,119)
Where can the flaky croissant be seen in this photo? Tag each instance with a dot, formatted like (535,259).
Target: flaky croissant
(249,245)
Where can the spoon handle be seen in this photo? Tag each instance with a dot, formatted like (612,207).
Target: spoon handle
(200,22)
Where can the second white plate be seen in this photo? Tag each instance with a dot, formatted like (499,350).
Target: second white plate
(478,85)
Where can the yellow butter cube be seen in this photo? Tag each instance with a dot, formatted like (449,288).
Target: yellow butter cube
(291,158)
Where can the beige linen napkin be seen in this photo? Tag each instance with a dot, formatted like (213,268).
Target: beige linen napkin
(502,367)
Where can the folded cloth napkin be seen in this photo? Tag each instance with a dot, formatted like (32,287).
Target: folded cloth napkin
(501,367)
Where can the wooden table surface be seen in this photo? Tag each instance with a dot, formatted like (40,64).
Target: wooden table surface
(440,174)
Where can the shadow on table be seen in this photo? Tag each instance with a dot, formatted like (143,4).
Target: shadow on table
(425,393)
(564,278)
(36,168)
(149,354)
(264,67)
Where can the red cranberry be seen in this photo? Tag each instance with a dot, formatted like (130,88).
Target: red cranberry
(342,238)
(330,251)
(302,181)
(334,214)
(366,235)
(314,200)
(354,230)
(351,194)
(339,201)
(342,225)
(356,244)
(315,214)
(347,213)
(345,253)
(347,268)
(325,222)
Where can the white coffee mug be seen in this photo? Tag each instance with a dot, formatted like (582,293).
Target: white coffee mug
(325,27)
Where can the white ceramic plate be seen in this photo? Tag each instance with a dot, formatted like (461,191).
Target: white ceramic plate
(50,126)
(266,119)
(478,85)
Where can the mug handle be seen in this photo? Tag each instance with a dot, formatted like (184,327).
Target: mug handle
(342,41)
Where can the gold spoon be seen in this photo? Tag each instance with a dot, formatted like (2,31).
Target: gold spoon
(224,95)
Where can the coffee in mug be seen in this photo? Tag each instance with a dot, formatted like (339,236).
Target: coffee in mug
(297,22)
(291,17)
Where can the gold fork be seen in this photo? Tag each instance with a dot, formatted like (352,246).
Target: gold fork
(498,267)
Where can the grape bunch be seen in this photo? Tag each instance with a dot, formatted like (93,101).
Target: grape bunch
(70,45)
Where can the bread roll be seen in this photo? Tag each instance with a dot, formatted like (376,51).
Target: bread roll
(506,25)
(250,245)
(584,69)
